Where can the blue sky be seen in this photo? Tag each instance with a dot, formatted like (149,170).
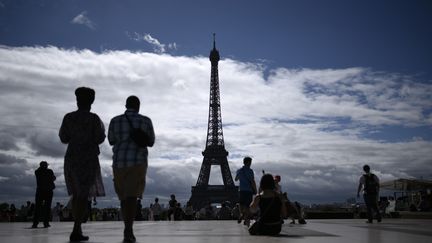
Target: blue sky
(385,35)
(311,89)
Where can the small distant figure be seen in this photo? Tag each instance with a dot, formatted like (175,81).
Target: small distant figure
(271,209)
(156,210)
(178,213)
(247,189)
(235,212)
(44,193)
(29,209)
(224,212)
(209,212)
(189,211)
(130,134)
(278,187)
(12,213)
(139,215)
(83,131)
(369,183)
(293,210)
(56,211)
(172,207)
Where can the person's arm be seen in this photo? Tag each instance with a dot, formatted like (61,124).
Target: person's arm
(151,134)
(111,135)
(100,135)
(37,178)
(284,212)
(253,184)
(359,187)
(237,175)
(63,133)
(53,176)
(254,187)
(253,207)
(378,183)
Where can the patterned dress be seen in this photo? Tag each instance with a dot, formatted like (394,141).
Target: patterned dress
(83,131)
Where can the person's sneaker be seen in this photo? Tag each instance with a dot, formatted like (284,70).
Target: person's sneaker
(368,222)
(379,220)
(34,226)
(47,225)
(128,236)
(247,222)
(129,239)
(78,238)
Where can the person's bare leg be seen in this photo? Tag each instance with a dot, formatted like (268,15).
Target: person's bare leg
(240,214)
(246,215)
(79,204)
(129,211)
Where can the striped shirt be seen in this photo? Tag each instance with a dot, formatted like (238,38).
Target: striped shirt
(126,152)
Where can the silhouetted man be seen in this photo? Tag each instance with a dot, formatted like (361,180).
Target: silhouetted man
(247,189)
(130,159)
(370,185)
(44,193)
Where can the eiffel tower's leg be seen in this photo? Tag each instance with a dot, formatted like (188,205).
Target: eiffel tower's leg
(204,175)
(226,174)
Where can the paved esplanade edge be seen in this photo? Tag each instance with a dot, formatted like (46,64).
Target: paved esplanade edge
(316,231)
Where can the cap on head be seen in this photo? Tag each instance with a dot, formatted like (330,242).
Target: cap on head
(132,102)
(366,168)
(43,164)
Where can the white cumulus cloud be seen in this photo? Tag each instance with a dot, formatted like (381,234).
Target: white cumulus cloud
(308,125)
(157,46)
(84,20)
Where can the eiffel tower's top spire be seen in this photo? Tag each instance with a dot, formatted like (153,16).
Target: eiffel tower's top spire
(214,54)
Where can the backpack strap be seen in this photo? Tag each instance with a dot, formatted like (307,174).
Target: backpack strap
(129,121)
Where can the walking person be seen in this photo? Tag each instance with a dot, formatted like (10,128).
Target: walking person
(247,189)
(172,207)
(370,185)
(189,211)
(56,211)
(156,210)
(83,131)
(44,193)
(130,134)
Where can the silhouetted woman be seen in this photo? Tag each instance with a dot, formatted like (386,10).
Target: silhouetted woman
(83,131)
(272,209)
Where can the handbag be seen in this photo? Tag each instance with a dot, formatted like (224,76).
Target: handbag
(138,136)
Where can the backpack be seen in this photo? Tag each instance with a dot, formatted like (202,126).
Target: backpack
(138,136)
(371,185)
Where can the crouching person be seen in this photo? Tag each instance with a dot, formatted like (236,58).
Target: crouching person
(271,207)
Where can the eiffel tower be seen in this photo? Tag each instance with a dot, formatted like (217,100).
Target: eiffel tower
(214,153)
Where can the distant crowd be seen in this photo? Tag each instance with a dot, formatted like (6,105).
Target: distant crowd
(155,212)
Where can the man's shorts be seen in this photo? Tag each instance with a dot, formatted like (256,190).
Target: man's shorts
(245,198)
(130,181)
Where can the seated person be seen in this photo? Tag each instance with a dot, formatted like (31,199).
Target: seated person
(272,210)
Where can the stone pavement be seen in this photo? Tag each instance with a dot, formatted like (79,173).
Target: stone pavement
(322,231)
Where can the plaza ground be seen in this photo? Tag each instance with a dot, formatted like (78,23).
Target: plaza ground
(322,231)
